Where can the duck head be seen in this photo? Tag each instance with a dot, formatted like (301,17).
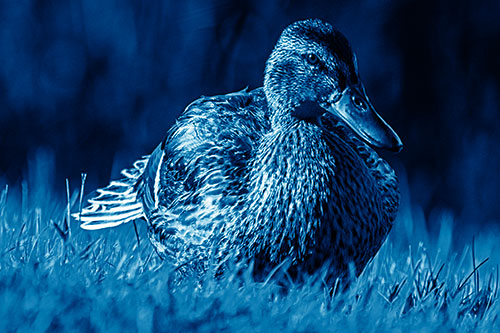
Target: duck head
(313,72)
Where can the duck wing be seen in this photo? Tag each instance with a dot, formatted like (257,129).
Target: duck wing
(385,177)
(200,170)
(387,181)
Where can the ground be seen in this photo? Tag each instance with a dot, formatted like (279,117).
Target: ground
(56,277)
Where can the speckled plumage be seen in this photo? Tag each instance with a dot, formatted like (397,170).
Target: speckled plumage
(268,175)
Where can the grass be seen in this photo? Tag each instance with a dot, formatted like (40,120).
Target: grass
(56,277)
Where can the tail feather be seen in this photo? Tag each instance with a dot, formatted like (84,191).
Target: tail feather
(116,203)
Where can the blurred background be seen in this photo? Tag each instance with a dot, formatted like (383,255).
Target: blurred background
(90,85)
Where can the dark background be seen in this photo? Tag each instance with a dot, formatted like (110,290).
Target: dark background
(88,86)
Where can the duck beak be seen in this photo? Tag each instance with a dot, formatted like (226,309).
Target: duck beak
(355,109)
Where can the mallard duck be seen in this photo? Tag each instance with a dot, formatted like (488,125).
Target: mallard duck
(285,172)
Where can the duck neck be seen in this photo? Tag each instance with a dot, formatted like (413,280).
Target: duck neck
(289,182)
(282,119)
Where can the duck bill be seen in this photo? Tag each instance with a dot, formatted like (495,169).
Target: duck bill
(354,108)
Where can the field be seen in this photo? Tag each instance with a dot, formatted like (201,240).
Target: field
(56,277)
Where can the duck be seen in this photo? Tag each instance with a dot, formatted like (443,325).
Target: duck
(284,173)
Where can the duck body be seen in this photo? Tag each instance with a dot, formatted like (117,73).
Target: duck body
(247,176)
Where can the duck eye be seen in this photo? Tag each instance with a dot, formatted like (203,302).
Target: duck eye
(312,58)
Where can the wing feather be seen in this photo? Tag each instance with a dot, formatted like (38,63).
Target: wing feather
(115,204)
